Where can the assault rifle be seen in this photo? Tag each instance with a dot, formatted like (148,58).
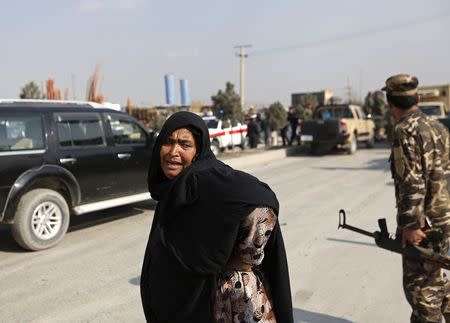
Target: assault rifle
(415,253)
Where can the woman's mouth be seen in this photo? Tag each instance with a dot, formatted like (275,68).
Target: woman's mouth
(172,165)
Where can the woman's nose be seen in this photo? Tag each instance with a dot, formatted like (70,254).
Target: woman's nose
(174,149)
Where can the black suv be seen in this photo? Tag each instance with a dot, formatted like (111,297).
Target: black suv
(63,158)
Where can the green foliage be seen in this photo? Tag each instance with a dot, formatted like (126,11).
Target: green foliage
(230,102)
(276,116)
(30,91)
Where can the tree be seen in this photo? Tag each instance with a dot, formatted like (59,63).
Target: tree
(228,104)
(276,116)
(30,91)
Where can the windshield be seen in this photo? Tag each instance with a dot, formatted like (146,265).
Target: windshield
(431,110)
(211,123)
(333,113)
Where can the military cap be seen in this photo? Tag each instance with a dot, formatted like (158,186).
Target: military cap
(401,85)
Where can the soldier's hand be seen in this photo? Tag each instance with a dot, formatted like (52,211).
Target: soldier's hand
(412,236)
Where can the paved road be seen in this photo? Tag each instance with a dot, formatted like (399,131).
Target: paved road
(336,276)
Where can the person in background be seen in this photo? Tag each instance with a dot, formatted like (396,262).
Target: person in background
(265,127)
(292,118)
(308,111)
(215,251)
(253,132)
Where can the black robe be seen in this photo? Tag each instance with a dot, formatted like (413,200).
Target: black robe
(194,230)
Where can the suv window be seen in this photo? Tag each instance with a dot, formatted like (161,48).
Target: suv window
(79,129)
(333,112)
(20,132)
(126,131)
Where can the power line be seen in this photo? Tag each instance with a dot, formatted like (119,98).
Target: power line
(337,38)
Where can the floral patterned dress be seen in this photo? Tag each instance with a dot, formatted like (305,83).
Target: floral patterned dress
(241,296)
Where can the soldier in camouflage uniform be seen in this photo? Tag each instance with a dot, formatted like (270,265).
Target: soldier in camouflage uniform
(421,171)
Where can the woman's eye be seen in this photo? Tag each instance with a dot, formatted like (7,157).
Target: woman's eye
(168,142)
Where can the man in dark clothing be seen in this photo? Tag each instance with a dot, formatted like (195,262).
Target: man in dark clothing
(420,168)
(265,127)
(293,123)
(253,132)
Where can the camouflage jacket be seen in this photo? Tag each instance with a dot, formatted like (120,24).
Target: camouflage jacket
(421,171)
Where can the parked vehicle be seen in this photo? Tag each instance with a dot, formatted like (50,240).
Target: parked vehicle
(445,122)
(225,136)
(59,159)
(435,100)
(434,110)
(338,126)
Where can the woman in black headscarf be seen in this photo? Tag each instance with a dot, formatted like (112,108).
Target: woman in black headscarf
(215,251)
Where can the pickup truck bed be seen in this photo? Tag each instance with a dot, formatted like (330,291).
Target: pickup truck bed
(322,132)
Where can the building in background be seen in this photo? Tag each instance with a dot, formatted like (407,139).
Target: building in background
(316,98)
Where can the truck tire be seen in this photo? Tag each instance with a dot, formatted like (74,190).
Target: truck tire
(370,143)
(41,220)
(215,148)
(353,145)
(314,149)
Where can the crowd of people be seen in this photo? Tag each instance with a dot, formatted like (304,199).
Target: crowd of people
(260,130)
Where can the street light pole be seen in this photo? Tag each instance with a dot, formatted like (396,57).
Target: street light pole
(242,57)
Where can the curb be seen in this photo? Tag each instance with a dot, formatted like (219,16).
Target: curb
(262,157)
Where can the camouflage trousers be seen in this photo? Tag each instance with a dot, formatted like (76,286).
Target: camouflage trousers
(427,289)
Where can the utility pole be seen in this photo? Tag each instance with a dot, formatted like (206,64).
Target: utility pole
(242,57)
(361,99)
(74,95)
(349,90)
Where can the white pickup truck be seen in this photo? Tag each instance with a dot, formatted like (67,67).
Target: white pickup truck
(223,137)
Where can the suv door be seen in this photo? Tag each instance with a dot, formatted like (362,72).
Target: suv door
(132,149)
(22,147)
(82,149)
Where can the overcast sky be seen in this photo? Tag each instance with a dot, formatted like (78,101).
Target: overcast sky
(296,45)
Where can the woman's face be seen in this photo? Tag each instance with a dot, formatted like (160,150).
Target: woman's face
(177,152)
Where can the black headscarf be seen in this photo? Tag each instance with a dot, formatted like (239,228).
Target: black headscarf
(194,230)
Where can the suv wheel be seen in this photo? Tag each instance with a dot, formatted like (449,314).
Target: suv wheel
(41,220)
(353,145)
(371,141)
(215,148)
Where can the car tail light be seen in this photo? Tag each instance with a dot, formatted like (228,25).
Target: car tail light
(343,127)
